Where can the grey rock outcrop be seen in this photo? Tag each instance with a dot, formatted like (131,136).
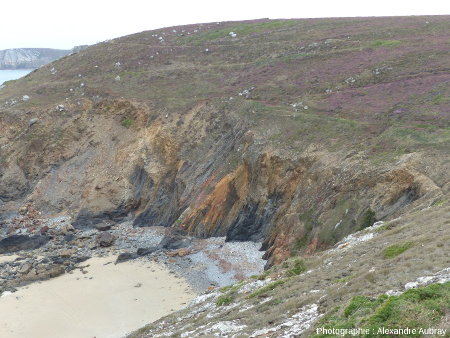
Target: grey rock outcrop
(21,242)
(26,58)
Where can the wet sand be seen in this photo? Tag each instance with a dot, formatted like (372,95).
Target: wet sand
(108,301)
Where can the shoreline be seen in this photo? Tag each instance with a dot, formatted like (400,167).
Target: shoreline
(107,262)
(100,299)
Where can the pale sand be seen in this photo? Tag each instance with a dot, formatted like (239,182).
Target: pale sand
(109,305)
(5,259)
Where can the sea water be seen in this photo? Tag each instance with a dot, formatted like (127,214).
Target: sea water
(13,74)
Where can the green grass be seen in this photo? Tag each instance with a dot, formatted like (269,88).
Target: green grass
(385,43)
(266,288)
(438,203)
(415,309)
(242,29)
(368,219)
(233,287)
(127,123)
(397,249)
(361,304)
(440,99)
(224,300)
(262,276)
(299,267)
(299,244)
(343,279)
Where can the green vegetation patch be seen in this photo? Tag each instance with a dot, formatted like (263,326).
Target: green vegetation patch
(385,43)
(262,276)
(224,300)
(440,99)
(362,304)
(343,279)
(127,123)
(240,29)
(408,139)
(415,309)
(233,287)
(397,249)
(299,244)
(267,288)
(368,219)
(299,267)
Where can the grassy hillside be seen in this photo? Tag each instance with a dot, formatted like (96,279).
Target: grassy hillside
(295,132)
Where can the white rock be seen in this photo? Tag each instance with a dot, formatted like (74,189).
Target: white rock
(393,293)
(6,293)
(424,280)
(202,298)
(25,98)
(411,285)
(32,121)
(377,224)
(294,326)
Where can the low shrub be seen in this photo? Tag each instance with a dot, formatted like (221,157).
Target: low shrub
(224,300)
(299,267)
(396,249)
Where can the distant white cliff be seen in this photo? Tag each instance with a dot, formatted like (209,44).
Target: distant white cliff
(26,58)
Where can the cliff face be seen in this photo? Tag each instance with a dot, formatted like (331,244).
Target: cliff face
(27,58)
(294,132)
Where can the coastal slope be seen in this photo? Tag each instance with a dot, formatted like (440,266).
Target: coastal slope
(291,132)
(326,141)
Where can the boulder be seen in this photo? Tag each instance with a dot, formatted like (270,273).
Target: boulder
(22,242)
(103,226)
(174,239)
(125,256)
(67,253)
(43,273)
(146,251)
(105,239)
(25,268)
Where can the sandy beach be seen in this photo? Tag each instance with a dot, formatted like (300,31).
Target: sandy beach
(10,258)
(103,300)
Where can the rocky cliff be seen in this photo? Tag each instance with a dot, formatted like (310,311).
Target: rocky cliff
(291,132)
(27,58)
